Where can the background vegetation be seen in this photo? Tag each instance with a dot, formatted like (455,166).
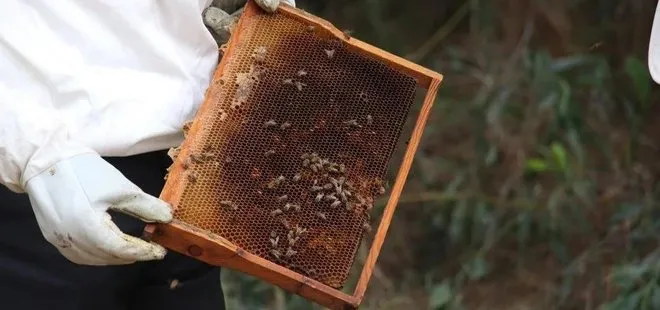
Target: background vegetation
(536,183)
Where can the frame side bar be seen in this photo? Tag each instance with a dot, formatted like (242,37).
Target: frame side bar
(396,191)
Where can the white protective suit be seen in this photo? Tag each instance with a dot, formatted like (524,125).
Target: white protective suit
(654,47)
(80,79)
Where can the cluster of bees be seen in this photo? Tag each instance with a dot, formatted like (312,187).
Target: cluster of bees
(328,184)
(278,246)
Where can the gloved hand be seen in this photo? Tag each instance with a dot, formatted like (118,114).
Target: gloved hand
(223,13)
(70,200)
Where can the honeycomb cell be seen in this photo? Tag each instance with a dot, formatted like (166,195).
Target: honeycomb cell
(337,118)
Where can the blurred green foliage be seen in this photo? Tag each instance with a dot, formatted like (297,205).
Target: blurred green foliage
(535,186)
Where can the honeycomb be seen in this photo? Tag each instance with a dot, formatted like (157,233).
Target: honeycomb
(295,148)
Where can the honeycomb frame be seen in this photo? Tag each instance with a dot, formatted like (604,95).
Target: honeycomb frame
(218,240)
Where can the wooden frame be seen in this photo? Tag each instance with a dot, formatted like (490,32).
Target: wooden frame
(215,250)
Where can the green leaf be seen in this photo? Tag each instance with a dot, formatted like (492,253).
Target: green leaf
(620,303)
(638,73)
(559,249)
(477,268)
(559,154)
(565,98)
(455,184)
(536,165)
(458,221)
(626,277)
(491,156)
(583,189)
(441,295)
(524,228)
(655,298)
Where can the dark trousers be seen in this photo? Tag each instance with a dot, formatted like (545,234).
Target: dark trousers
(34,275)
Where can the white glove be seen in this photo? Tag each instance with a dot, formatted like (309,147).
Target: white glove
(222,13)
(70,200)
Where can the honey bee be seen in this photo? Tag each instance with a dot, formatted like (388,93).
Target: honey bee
(173,153)
(352,123)
(330,53)
(285,223)
(302,72)
(269,153)
(328,186)
(381,190)
(316,188)
(290,252)
(275,182)
(276,253)
(282,198)
(322,216)
(276,212)
(299,85)
(274,241)
(341,180)
(347,34)
(366,227)
(259,54)
(186,126)
(311,28)
(287,207)
(319,197)
(300,230)
(305,162)
(349,207)
(174,284)
(333,170)
(273,234)
(270,123)
(315,168)
(370,120)
(338,190)
(287,81)
(304,156)
(330,197)
(285,125)
(297,177)
(228,204)
(342,168)
(195,158)
(192,176)
(343,197)
(335,204)
(347,193)
(296,207)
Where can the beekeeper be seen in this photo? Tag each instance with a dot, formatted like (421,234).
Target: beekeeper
(92,94)
(654,47)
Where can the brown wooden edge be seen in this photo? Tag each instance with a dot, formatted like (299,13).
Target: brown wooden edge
(423,75)
(218,251)
(215,250)
(400,181)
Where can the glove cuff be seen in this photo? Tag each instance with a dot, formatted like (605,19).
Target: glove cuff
(49,155)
